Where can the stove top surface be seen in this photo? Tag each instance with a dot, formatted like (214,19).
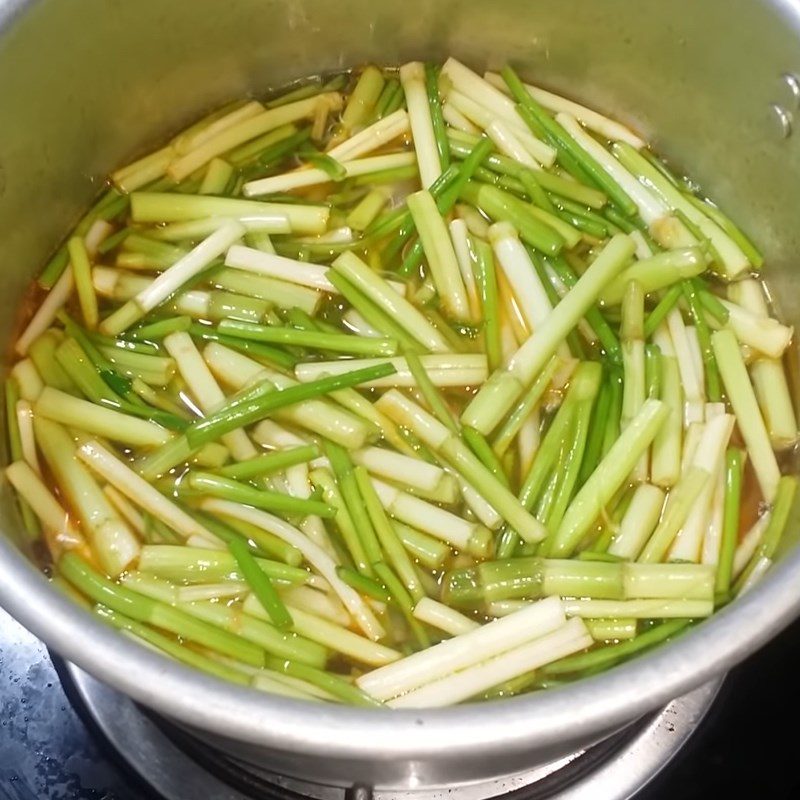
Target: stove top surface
(49,751)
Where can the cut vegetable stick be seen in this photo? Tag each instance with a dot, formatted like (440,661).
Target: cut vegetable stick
(439,254)
(568,639)
(24,414)
(712,540)
(205,389)
(61,533)
(402,312)
(315,556)
(609,475)
(465,650)
(651,208)
(111,540)
(272,217)
(453,117)
(169,281)
(403,469)
(412,77)
(99,420)
(607,128)
(734,261)
(313,176)
(275,266)
(144,494)
(330,635)
(690,379)
(709,456)
(431,519)
(46,312)
(640,609)
(638,522)
(443,617)
(504,386)
(510,134)
(321,416)
(198,135)
(748,415)
(372,137)
(459,236)
(246,129)
(748,544)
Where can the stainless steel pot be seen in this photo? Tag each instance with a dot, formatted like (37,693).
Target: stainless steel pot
(84,87)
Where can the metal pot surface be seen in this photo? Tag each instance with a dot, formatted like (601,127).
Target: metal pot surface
(86,87)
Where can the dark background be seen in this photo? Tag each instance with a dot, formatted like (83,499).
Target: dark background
(748,746)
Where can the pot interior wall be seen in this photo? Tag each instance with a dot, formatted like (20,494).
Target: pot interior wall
(84,90)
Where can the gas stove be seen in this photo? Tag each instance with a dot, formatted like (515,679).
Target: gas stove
(65,736)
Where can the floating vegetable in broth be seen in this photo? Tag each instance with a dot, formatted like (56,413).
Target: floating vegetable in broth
(403,388)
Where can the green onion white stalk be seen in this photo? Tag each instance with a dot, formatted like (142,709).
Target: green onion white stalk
(28,379)
(443,370)
(120,475)
(638,522)
(303,178)
(453,450)
(640,609)
(246,129)
(651,208)
(657,272)
(439,254)
(507,143)
(238,371)
(173,278)
(315,556)
(272,217)
(459,236)
(594,121)
(764,334)
(99,420)
(708,456)
(330,635)
(443,617)
(412,77)
(665,462)
(47,311)
(205,389)
(318,603)
(24,414)
(572,637)
(404,469)
(691,380)
(609,475)
(504,386)
(456,119)
(734,261)
(510,135)
(767,374)
(464,650)
(381,293)
(52,514)
(199,134)
(275,266)
(111,539)
(431,519)
(712,539)
(533,302)
(748,415)
(372,137)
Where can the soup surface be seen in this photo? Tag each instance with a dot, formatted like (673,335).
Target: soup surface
(402,388)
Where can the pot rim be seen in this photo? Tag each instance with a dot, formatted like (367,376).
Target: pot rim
(600,702)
